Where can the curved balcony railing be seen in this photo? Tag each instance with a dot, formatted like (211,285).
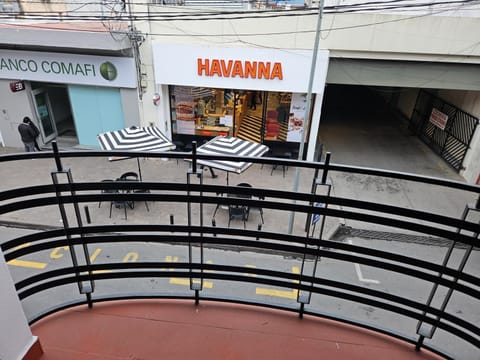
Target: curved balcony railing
(423,293)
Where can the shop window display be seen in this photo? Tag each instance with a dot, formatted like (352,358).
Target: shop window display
(202,111)
(258,116)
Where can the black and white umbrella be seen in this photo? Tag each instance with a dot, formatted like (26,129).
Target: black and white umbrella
(149,139)
(136,139)
(228,145)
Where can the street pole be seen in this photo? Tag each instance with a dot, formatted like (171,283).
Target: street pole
(307,108)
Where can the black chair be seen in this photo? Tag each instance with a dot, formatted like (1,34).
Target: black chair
(119,204)
(179,146)
(237,211)
(107,191)
(133,176)
(253,207)
(281,155)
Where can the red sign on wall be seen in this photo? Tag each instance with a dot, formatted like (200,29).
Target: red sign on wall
(438,118)
(17,86)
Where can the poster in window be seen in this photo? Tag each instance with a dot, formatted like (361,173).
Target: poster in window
(296,117)
(185,107)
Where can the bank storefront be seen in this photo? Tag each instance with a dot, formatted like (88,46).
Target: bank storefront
(68,96)
(253,94)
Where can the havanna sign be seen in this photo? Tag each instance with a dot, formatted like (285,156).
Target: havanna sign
(68,68)
(281,70)
(242,69)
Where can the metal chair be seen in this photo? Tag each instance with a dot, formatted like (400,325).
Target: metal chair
(133,176)
(253,207)
(119,204)
(107,191)
(237,211)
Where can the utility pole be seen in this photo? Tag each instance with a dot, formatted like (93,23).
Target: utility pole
(136,39)
(307,106)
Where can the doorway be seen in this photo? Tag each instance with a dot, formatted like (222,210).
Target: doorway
(54,112)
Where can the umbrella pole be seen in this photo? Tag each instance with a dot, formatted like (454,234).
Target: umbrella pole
(139,169)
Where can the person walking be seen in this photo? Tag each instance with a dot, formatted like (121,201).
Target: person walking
(27,134)
(35,129)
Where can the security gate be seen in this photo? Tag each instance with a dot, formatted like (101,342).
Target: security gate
(445,128)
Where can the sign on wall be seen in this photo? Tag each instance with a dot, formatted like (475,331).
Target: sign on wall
(438,118)
(68,68)
(238,68)
(17,86)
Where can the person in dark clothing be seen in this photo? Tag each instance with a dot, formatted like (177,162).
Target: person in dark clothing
(253,100)
(27,134)
(35,129)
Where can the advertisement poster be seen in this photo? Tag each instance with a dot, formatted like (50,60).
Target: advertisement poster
(296,117)
(185,107)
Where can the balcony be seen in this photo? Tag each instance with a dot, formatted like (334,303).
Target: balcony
(332,271)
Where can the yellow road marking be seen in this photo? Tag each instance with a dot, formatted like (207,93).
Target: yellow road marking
(27,264)
(130,257)
(21,246)
(186,282)
(92,260)
(250,274)
(55,255)
(95,254)
(287,294)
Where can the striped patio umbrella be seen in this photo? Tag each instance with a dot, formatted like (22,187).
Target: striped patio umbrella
(149,139)
(136,139)
(228,145)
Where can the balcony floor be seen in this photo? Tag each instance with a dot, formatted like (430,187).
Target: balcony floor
(168,329)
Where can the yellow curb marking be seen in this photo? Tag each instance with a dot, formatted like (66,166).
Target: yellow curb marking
(185,282)
(26,263)
(287,294)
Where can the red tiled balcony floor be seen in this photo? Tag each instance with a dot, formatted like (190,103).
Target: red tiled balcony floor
(167,329)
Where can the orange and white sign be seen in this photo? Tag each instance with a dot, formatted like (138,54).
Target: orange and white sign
(438,118)
(238,68)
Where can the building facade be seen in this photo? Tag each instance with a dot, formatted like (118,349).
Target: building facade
(73,81)
(398,53)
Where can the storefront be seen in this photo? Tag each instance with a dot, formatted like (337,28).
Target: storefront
(253,94)
(67,95)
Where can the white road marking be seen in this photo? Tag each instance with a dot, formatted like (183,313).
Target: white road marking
(358,270)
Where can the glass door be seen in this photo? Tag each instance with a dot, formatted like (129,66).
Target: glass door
(44,112)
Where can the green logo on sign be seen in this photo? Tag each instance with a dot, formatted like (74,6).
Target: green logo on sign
(108,71)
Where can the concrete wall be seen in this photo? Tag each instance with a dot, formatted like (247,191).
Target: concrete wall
(130,107)
(16,338)
(406,102)
(356,35)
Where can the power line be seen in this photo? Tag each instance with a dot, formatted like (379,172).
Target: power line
(234,15)
(268,14)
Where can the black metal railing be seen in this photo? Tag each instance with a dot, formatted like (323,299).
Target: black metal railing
(189,229)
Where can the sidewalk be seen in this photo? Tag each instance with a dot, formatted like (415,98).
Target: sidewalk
(375,146)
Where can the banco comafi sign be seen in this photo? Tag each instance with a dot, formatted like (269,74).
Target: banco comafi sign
(67,68)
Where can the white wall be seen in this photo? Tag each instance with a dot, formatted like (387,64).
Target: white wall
(12,319)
